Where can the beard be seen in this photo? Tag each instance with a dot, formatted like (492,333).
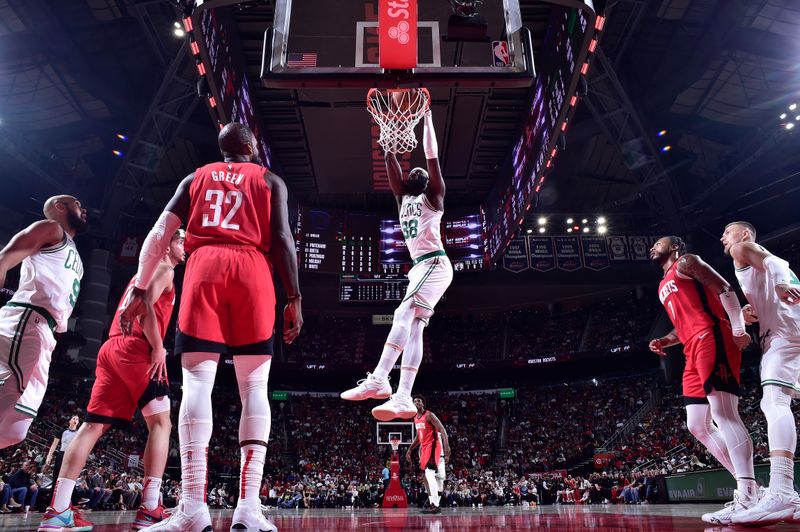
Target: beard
(76,222)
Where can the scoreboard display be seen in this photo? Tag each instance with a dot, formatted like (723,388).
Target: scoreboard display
(371,288)
(331,241)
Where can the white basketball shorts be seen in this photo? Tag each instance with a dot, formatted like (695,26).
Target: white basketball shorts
(427,283)
(780,363)
(26,346)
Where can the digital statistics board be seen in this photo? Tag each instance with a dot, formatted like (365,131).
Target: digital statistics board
(372,288)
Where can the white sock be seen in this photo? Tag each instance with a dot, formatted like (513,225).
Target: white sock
(62,494)
(430,476)
(412,358)
(195,425)
(781,476)
(397,339)
(151,493)
(700,424)
(725,411)
(252,375)
(252,469)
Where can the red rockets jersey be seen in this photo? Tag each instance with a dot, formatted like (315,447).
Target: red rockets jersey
(426,432)
(691,306)
(229,204)
(163,308)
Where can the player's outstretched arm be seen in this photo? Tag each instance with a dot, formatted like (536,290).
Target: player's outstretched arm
(153,250)
(786,283)
(27,242)
(436,188)
(657,345)
(694,267)
(439,427)
(414,445)
(158,355)
(395,173)
(283,256)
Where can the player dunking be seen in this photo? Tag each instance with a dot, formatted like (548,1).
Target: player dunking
(709,323)
(131,373)
(237,230)
(434,452)
(48,290)
(420,200)
(773,292)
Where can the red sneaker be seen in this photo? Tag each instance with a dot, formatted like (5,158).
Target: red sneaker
(145,517)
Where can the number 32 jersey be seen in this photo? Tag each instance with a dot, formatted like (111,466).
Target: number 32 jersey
(229,204)
(421,225)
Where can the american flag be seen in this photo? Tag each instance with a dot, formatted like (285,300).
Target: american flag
(302,60)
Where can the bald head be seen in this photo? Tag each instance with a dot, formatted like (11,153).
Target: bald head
(54,208)
(67,211)
(236,141)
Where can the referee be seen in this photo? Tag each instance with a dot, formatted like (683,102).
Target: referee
(66,438)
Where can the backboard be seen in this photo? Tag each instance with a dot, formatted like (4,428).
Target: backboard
(334,43)
(385,430)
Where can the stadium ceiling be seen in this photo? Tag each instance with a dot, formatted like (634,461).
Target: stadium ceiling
(715,74)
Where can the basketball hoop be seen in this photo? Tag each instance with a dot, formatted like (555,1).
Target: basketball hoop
(395,443)
(397,112)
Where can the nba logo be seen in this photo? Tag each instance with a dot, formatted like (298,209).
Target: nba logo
(500,53)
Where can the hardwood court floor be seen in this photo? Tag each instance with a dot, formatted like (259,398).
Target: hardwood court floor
(655,518)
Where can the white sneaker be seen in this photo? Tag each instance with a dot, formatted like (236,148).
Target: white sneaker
(249,519)
(723,517)
(397,406)
(370,388)
(772,508)
(179,521)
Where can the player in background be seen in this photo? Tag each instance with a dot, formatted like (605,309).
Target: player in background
(773,293)
(131,373)
(434,453)
(709,323)
(49,284)
(420,201)
(237,229)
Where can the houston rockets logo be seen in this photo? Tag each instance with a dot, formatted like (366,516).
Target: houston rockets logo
(400,32)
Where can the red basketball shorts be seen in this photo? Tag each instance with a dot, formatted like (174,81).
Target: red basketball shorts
(430,455)
(713,362)
(227,302)
(122,382)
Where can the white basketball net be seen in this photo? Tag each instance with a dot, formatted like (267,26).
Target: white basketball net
(397,112)
(395,443)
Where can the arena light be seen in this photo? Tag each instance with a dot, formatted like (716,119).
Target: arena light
(790,125)
(117,153)
(542,229)
(662,132)
(570,221)
(793,107)
(529,231)
(585,221)
(601,220)
(542,220)
(783,116)
(120,136)
(178,32)
(569,229)
(585,229)
(602,229)
(666,148)
(797,117)
(176,24)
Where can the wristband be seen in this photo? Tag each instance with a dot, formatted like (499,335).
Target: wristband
(730,302)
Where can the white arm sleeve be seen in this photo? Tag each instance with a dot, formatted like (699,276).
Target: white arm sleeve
(155,247)
(429,138)
(778,270)
(730,302)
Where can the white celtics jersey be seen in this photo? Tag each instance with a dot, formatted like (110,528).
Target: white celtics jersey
(51,279)
(775,318)
(421,225)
